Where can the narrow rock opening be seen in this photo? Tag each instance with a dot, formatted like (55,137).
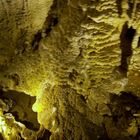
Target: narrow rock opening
(138,43)
(51,24)
(20,106)
(51,21)
(126,38)
(36,40)
(46,135)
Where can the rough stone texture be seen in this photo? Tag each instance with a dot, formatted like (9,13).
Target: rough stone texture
(80,60)
(20,21)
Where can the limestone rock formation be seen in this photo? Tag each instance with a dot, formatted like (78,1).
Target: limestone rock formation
(79,59)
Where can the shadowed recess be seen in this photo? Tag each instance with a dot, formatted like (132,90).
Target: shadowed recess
(118,2)
(20,106)
(126,38)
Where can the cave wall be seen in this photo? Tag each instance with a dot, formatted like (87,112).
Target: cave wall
(80,59)
(20,22)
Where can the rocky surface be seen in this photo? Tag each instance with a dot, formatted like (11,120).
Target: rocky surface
(80,59)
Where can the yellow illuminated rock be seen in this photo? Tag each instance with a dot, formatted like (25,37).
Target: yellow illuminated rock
(77,62)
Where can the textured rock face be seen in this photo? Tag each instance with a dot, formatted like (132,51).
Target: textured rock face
(20,22)
(80,60)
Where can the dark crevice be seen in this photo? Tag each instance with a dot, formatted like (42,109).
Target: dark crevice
(54,15)
(1,137)
(36,40)
(83,98)
(20,137)
(126,39)
(46,135)
(118,2)
(28,125)
(51,21)
(138,134)
(138,43)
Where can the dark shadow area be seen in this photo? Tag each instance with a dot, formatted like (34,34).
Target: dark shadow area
(20,106)
(124,110)
(126,38)
(51,24)
(138,45)
(46,135)
(51,21)
(36,40)
(1,137)
(118,2)
(96,132)
(125,100)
